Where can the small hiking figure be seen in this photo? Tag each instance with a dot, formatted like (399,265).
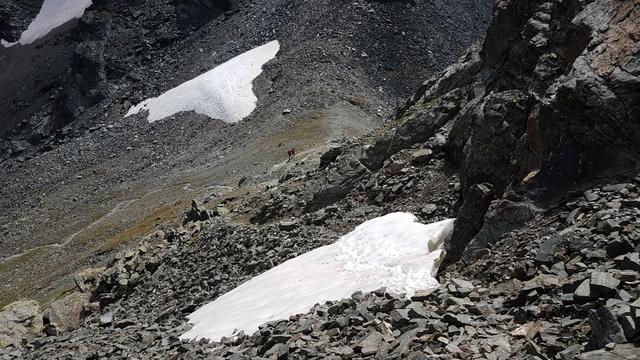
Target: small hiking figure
(291,152)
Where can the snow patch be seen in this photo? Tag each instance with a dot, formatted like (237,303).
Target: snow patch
(392,251)
(53,13)
(224,93)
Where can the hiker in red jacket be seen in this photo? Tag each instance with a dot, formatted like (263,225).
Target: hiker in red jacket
(291,152)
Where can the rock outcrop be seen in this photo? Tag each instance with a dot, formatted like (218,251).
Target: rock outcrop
(552,96)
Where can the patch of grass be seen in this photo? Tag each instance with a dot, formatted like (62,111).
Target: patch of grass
(162,215)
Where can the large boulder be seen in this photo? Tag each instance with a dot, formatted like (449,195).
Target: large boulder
(18,321)
(67,313)
(503,216)
(469,221)
(342,177)
(415,125)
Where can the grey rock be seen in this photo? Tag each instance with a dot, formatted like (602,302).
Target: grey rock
(629,261)
(618,247)
(457,319)
(591,196)
(570,353)
(339,182)
(583,291)
(619,352)
(603,283)
(19,321)
(630,325)
(196,213)
(422,156)
(429,209)
(368,345)
(288,225)
(469,221)
(422,295)
(605,328)
(400,318)
(503,216)
(330,156)
(417,125)
(68,312)
(106,319)
(548,249)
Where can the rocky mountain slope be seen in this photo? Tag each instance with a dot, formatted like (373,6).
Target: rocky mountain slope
(78,180)
(528,141)
(15,17)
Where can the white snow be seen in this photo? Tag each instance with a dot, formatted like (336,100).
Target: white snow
(224,93)
(392,251)
(53,13)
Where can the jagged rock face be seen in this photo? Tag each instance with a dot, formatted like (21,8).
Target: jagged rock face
(555,94)
(572,67)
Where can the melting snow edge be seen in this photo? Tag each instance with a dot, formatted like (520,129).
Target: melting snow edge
(392,251)
(225,92)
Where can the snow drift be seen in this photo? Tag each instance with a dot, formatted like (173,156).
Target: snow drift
(53,13)
(392,251)
(224,93)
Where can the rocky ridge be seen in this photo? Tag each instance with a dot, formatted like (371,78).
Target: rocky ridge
(545,105)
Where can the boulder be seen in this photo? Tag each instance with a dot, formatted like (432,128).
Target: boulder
(196,212)
(421,156)
(19,321)
(603,283)
(502,216)
(68,312)
(340,180)
(416,124)
(369,344)
(288,225)
(605,328)
(469,220)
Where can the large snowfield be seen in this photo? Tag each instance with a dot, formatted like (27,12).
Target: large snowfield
(224,93)
(53,13)
(393,251)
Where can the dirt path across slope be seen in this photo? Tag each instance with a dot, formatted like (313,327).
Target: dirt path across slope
(43,271)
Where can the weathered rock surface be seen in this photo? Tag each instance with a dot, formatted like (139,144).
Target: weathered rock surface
(548,98)
(68,312)
(18,321)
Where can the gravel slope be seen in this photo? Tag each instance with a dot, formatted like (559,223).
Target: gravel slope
(368,55)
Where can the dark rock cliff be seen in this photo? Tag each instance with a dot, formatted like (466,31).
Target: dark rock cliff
(548,102)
